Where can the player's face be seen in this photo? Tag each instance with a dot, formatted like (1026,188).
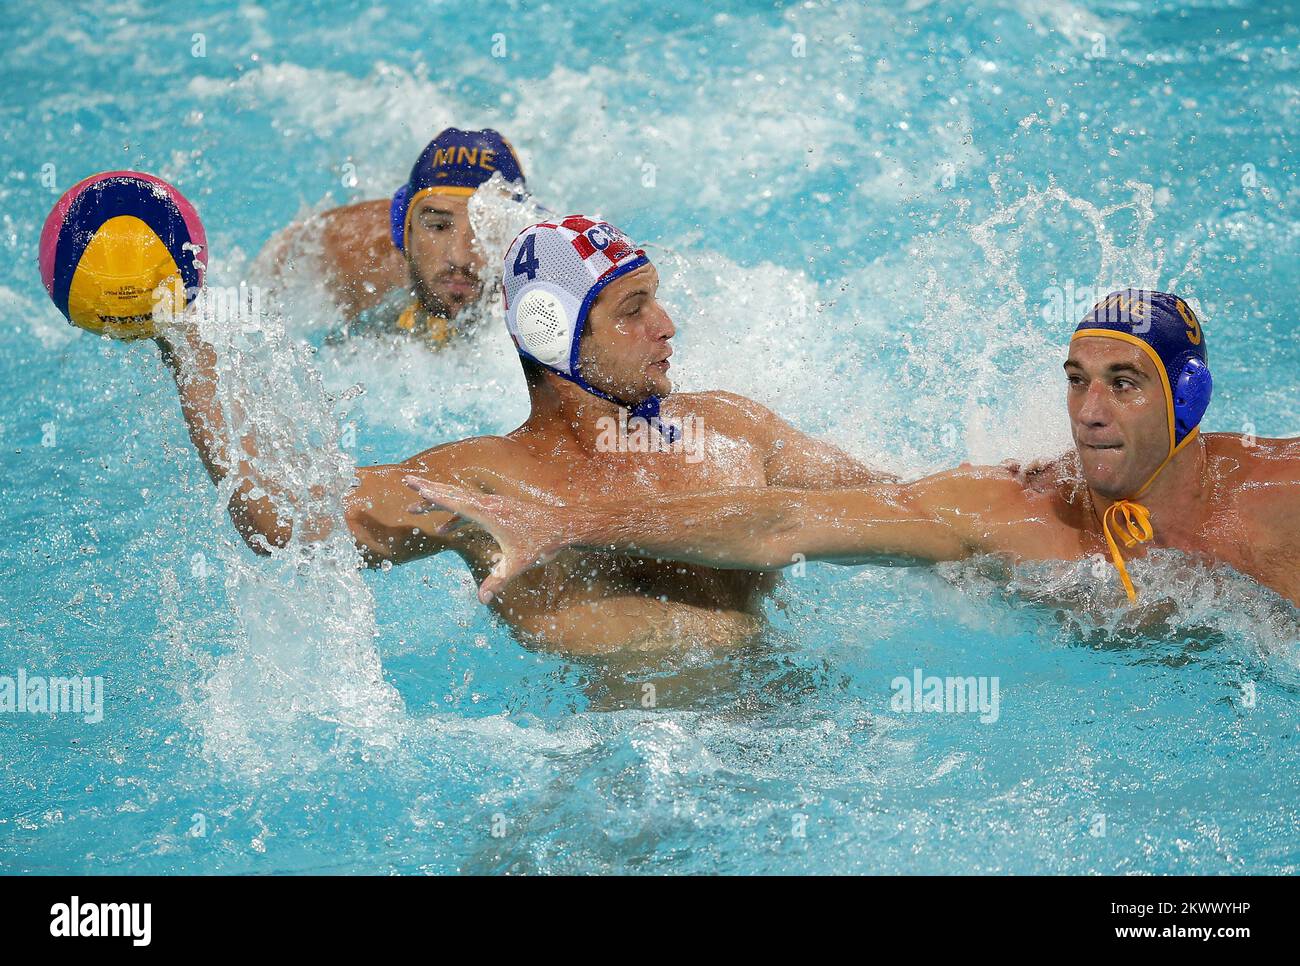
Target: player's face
(1118,415)
(625,349)
(446,265)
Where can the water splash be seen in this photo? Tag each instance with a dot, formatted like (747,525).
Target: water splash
(304,675)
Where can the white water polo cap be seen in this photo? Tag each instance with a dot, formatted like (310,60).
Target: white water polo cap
(552,274)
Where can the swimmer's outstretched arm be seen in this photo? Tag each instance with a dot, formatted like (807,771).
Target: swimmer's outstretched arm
(949,516)
(376,511)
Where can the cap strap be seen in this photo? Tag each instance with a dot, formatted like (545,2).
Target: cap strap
(1133,521)
(1136,520)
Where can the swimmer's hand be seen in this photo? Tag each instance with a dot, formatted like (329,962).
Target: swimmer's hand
(1023,472)
(528,532)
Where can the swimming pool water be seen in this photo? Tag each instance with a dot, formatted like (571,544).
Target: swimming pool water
(865,219)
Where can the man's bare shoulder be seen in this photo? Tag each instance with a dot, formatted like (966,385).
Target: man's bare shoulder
(979,489)
(1046,490)
(725,412)
(1260,478)
(338,229)
(1035,513)
(1251,459)
(716,402)
(362,226)
(348,249)
(498,455)
(362,217)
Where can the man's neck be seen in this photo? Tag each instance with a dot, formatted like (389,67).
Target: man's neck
(1176,497)
(564,408)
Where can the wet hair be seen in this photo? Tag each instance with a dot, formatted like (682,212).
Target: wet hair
(533,371)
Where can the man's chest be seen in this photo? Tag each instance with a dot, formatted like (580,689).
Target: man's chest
(1242,532)
(716,463)
(1264,553)
(579,479)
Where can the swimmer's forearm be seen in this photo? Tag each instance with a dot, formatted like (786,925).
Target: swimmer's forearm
(769,529)
(253,505)
(196,382)
(863,475)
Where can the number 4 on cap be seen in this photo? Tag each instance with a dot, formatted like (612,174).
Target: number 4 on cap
(526,261)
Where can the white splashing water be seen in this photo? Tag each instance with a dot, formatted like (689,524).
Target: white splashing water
(304,675)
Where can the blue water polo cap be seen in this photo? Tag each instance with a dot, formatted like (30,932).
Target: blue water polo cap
(1167,329)
(456,162)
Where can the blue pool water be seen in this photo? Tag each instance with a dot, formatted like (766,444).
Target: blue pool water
(866,219)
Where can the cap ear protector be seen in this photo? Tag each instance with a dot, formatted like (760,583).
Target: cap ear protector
(397,216)
(545,329)
(1192,393)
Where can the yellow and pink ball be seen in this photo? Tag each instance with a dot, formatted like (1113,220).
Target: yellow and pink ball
(119,251)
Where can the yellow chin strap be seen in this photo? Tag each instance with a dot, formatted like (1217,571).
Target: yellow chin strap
(436,329)
(1133,521)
